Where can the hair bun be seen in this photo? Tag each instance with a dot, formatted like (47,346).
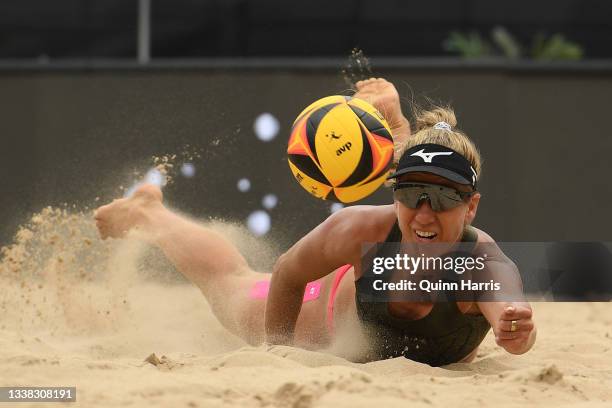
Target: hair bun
(429,118)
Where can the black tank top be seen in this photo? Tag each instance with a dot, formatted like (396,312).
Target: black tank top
(444,336)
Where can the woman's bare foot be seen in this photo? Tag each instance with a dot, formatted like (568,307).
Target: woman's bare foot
(122,215)
(384,97)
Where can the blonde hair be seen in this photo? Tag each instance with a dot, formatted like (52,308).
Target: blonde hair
(455,139)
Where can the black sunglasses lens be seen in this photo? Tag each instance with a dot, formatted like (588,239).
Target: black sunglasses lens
(408,197)
(440,198)
(447,202)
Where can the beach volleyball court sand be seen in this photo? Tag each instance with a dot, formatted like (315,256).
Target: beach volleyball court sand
(77,311)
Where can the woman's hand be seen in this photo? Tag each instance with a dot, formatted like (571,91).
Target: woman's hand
(384,97)
(515,331)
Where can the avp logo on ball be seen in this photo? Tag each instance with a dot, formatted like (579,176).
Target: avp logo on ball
(346,147)
(333,136)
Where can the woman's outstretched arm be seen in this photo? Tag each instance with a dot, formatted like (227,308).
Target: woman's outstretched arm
(511,317)
(332,244)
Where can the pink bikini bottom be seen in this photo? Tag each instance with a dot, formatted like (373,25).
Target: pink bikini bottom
(313,289)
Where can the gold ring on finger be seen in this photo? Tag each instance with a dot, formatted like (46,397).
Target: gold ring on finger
(513,325)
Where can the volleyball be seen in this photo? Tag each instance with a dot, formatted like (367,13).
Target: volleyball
(340,149)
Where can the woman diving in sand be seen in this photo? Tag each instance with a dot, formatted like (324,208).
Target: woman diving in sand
(435,201)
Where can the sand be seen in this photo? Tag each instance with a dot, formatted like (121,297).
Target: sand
(77,311)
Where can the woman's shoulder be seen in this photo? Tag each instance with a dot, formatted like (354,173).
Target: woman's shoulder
(488,245)
(483,237)
(366,222)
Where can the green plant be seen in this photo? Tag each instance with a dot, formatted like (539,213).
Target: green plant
(473,45)
(506,42)
(470,45)
(555,48)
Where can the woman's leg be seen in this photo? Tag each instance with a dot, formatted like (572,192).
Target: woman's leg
(211,262)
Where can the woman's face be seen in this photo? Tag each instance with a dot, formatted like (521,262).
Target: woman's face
(447,226)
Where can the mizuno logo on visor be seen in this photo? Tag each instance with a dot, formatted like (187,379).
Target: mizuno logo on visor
(427,157)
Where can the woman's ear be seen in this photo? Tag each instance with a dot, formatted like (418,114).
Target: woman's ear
(472,208)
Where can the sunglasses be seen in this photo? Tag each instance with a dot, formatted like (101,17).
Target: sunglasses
(441,198)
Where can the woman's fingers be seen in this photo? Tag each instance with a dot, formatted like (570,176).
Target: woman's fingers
(516,313)
(506,335)
(514,325)
(514,328)
(365,82)
(520,325)
(510,339)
